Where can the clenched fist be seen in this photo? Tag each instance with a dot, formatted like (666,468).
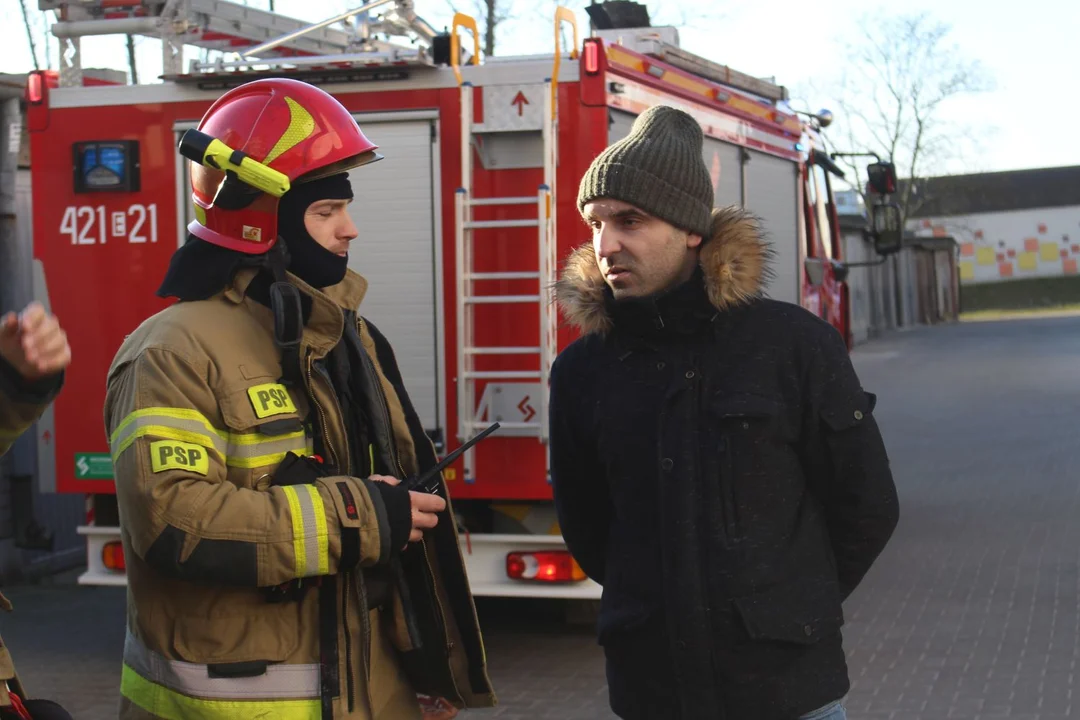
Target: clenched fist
(34,343)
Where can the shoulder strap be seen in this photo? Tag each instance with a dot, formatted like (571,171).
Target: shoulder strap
(288,317)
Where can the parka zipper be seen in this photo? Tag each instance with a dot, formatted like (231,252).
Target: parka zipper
(350,684)
(442,617)
(365,622)
(322,414)
(350,681)
(382,401)
(397,461)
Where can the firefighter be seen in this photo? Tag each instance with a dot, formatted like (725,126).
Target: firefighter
(34,352)
(715,461)
(260,430)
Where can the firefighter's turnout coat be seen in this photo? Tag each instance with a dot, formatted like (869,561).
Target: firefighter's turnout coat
(21,403)
(199,419)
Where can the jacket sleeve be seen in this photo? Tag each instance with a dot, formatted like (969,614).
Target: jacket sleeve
(848,469)
(582,502)
(186,520)
(22,402)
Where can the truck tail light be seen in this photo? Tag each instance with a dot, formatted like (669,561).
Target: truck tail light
(592,57)
(35,88)
(551,566)
(112,555)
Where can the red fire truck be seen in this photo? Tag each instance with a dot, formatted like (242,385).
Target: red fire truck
(463,225)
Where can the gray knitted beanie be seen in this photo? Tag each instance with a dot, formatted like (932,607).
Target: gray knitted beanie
(658,168)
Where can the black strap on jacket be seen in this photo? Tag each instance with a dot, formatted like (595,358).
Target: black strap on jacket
(288,318)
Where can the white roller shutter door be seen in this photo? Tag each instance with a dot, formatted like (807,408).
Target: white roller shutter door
(772,195)
(394,211)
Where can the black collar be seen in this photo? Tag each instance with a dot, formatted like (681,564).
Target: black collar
(682,311)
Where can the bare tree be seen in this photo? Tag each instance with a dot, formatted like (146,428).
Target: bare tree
(36,26)
(495,15)
(490,14)
(681,15)
(29,34)
(47,33)
(902,72)
(131,59)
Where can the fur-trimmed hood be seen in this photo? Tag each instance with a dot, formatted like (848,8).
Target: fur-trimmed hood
(734,258)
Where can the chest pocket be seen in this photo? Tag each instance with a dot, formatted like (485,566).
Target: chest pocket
(750,424)
(751,436)
(264,422)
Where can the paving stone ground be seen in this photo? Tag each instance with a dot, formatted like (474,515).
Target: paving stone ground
(971,612)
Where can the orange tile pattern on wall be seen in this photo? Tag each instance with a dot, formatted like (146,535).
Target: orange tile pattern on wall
(1038,247)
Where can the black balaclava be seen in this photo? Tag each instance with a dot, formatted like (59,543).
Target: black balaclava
(309,260)
(200,269)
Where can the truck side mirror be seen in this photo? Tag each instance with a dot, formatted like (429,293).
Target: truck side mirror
(882,176)
(888,229)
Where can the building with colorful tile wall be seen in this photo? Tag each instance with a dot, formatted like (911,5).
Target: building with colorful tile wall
(1008,225)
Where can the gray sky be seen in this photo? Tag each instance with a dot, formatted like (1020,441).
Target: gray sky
(1029,49)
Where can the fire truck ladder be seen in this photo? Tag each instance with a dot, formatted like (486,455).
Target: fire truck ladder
(471,414)
(247,31)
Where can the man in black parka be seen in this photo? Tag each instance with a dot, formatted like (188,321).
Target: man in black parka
(716,462)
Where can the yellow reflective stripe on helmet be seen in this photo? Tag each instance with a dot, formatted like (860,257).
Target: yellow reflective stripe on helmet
(311,545)
(169,705)
(301,125)
(240,450)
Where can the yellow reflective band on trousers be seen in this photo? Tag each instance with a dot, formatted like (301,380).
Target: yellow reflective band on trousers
(169,705)
(239,450)
(310,542)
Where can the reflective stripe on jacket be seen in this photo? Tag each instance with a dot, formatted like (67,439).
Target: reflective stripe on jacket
(198,421)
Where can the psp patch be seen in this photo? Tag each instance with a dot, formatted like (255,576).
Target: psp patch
(177,455)
(270,399)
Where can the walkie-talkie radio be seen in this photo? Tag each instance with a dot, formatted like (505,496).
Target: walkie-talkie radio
(428,482)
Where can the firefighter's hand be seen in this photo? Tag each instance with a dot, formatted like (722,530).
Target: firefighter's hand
(34,343)
(424,508)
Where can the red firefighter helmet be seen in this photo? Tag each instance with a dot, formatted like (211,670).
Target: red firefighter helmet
(289,126)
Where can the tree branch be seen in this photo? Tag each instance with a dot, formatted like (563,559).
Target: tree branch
(29,34)
(902,73)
